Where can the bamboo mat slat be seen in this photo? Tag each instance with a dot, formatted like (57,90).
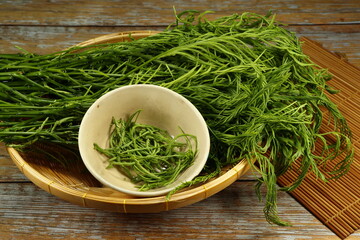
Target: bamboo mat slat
(336,203)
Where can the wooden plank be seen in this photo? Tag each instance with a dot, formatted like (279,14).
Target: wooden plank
(235,213)
(48,39)
(340,39)
(343,39)
(8,171)
(160,12)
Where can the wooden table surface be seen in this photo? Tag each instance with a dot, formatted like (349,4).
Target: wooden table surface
(45,26)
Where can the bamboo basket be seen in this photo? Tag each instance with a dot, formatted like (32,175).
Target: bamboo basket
(73,183)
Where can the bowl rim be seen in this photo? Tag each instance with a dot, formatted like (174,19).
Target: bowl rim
(201,161)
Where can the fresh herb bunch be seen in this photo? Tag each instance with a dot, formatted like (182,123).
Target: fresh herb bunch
(261,97)
(148,155)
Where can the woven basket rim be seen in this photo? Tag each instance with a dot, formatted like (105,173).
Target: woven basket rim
(235,172)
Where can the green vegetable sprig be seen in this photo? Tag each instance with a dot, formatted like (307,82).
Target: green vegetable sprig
(148,155)
(260,95)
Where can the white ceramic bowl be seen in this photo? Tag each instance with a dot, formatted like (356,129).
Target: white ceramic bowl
(161,107)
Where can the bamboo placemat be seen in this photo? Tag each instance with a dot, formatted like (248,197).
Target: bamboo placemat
(336,203)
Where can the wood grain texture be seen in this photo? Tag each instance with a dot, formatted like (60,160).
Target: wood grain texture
(231,214)
(8,171)
(48,39)
(160,12)
(45,26)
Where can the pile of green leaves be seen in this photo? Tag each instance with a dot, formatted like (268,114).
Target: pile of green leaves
(149,156)
(261,97)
